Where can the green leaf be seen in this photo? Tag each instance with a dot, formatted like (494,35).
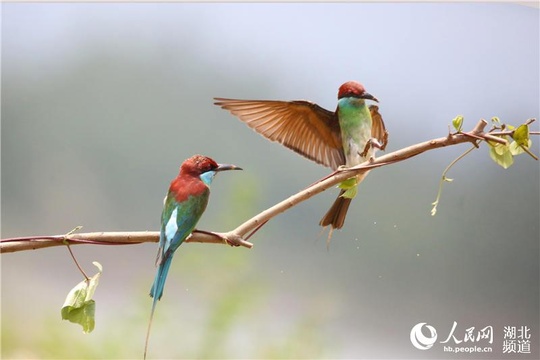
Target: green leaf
(500,149)
(79,307)
(515,149)
(521,135)
(495,120)
(501,155)
(457,122)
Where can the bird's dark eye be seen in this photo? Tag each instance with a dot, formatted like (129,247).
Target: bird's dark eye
(209,167)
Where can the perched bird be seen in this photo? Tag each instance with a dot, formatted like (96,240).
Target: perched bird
(345,137)
(183,206)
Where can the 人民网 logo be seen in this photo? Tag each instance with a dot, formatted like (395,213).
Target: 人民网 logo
(419,340)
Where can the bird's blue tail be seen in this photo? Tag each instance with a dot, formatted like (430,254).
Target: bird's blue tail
(161,275)
(156,292)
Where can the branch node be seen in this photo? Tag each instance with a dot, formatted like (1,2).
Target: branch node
(480,126)
(65,239)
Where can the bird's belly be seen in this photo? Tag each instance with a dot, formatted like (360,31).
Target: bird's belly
(353,156)
(356,145)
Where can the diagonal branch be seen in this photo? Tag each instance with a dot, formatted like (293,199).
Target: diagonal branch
(237,236)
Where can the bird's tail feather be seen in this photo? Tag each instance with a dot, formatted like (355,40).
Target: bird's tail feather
(157,291)
(154,302)
(161,275)
(335,217)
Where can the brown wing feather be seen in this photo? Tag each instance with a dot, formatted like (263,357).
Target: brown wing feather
(302,126)
(378,130)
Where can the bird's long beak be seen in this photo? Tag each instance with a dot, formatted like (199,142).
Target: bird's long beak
(368,96)
(223,167)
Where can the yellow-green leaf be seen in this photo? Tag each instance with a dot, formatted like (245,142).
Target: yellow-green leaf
(457,122)
(521,135)
(501,155)
(79,307)
(500,149)
(515,149)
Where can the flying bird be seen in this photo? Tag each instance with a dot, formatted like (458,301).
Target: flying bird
(343,138)
(183,206)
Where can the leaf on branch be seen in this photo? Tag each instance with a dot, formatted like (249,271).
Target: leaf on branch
(501,154)
(495,121)
(521,135)
(457,122)
(522,141)
(504,154)
(516,149)
(79,307)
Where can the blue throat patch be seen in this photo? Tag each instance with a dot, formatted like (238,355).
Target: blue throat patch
(207,177)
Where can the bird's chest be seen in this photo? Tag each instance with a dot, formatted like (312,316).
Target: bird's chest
(355,126)
(184,205)
(179,218)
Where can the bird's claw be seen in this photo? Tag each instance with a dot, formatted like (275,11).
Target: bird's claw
(366,149)
(377,144)
(372,142)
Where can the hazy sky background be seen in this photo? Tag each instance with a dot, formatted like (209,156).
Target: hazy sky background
(102,102)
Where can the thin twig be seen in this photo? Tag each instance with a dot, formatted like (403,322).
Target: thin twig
(76,262)
(444,178)
(66,242)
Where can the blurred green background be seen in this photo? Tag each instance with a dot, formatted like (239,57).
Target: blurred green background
(102,102)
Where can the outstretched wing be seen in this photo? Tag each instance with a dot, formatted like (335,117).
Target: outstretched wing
(302,126)
(378,130)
